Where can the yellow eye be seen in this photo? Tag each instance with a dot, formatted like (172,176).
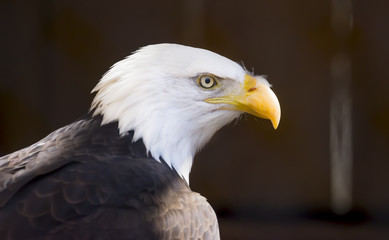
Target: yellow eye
(207,81)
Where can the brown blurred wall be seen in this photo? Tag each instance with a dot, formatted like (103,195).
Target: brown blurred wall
(54,52)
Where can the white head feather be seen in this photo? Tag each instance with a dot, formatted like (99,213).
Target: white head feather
(154,93)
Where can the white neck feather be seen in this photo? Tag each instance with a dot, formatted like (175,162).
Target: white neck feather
(161,103)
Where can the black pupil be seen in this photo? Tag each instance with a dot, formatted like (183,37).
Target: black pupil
(207,81)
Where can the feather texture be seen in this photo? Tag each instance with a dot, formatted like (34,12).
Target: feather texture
(85,181)
(154,93)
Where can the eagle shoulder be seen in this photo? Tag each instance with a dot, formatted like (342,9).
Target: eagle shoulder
(19,167)
(84,181)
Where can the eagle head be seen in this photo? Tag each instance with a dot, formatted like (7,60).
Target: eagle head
(176,97)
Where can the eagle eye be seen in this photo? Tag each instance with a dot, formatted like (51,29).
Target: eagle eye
(207,81)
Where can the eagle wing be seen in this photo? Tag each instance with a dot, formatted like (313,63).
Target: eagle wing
(19,167)
(84,182)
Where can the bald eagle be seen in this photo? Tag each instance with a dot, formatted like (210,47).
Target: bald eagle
(122,171)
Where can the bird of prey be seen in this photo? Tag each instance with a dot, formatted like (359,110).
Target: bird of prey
(122,171)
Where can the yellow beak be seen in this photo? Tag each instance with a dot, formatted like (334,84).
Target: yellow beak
(255,98)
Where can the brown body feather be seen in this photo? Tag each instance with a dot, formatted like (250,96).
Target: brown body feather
(84,181)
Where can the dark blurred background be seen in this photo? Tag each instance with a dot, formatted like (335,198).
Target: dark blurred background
(323,174)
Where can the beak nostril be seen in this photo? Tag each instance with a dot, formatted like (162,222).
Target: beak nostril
(252,89)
